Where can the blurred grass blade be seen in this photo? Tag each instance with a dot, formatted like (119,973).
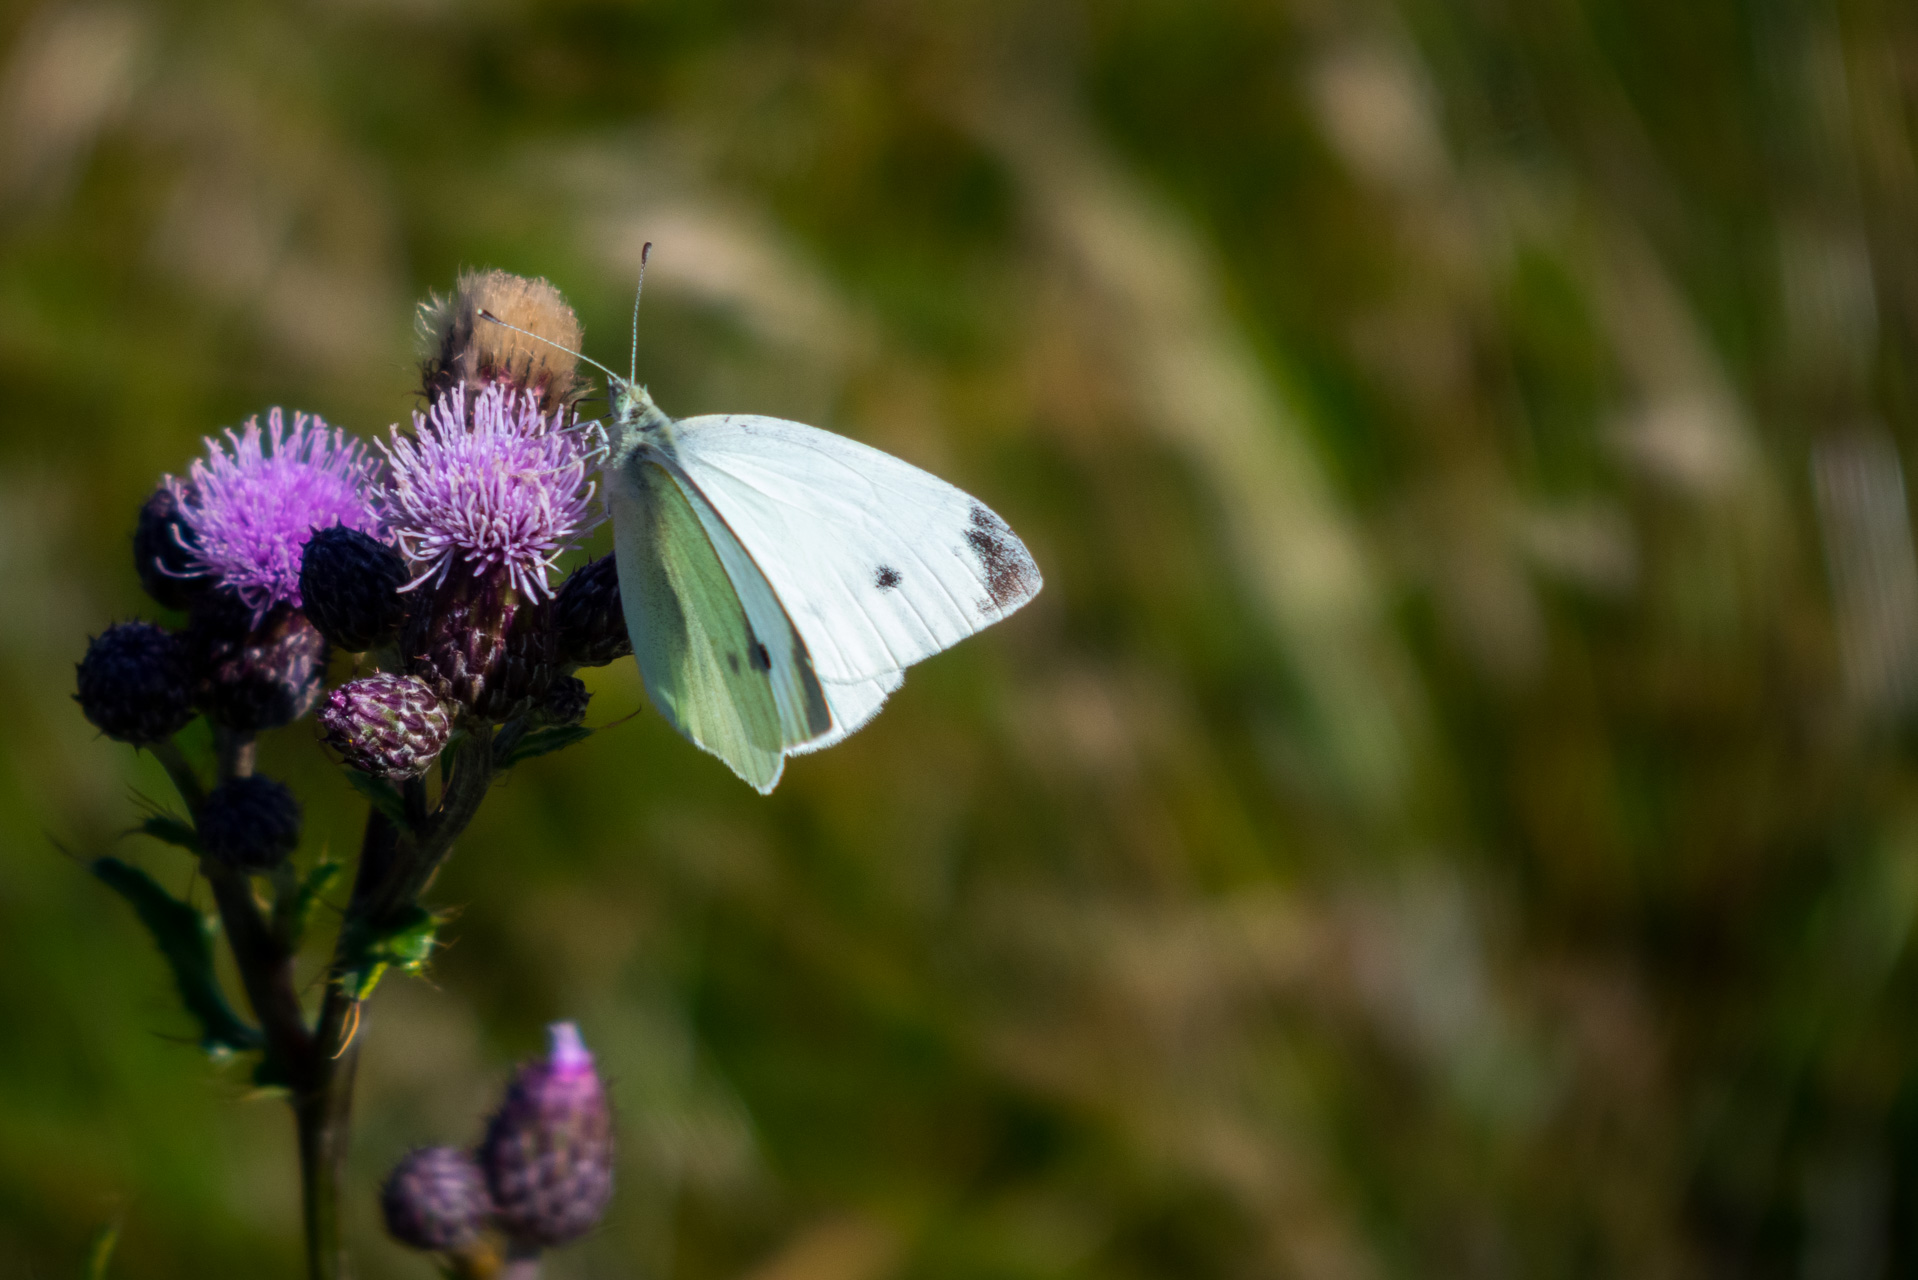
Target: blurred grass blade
(102,1252)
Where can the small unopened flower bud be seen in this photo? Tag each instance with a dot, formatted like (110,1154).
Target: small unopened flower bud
(564,703)
(135,683)
(435,1199)
(589,617)
(163,552)
(466,350)
(253,678)
(387,725)
(350,587)
(250,824)
(548,1153)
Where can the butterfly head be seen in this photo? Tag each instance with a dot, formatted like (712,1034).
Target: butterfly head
(634,418)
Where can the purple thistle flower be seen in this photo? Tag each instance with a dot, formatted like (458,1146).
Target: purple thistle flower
(251,511)
(508,492)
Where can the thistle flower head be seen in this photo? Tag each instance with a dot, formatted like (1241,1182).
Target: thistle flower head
(465,349)
(548,1152)
(435,1199)
(250,824)
(251,503)
(509,492)
(136,683)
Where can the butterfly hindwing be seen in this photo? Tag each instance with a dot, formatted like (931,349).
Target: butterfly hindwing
(721,660)
(878,563)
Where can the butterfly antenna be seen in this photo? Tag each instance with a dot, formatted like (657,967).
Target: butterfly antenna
(645,252)
(577,355)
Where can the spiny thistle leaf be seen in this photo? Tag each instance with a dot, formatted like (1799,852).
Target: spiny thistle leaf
(185,938)
(539,742)
(294,911)
(174,831)
(369,951)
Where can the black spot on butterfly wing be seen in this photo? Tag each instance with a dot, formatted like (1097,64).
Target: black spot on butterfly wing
(1008,572)
(761,660)
(886,578)
(732,663)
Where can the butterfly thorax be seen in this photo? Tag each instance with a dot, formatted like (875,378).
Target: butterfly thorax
(636,421)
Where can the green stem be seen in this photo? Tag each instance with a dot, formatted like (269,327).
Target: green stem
(395,867)
(322,1110)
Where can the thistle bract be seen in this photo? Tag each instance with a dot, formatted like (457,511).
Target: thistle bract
(564,702)
(589,616)
(251,504)
(254,675)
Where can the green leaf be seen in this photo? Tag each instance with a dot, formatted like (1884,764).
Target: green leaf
(100,1252)
(384,796)
(368,952)
(539,742)
(185,938)
(175,831)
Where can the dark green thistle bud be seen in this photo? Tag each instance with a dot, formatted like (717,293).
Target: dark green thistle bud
(163,550)
(564,703)
(548,1152)
(589,617)
(435,1199)
(387,725)
(253,676)
(350,587)
(135,684)
(250,824)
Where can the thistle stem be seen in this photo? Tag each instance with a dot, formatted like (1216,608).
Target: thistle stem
(395,867)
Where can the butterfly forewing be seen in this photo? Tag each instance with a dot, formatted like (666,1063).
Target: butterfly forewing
(877,562)
(720,660)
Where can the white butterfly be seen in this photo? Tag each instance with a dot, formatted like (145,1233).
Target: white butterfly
(778,579)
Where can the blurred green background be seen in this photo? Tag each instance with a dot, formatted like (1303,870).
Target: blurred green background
(1451,812)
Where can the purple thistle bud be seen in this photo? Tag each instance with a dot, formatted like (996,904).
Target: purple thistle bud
(589,616)
(250,824)
(135,684)
(163,550)
(350,588)
(548,1152)
(435,1199)
(249,512)
(390,726)
(564,702)
(508,492)
(253,676)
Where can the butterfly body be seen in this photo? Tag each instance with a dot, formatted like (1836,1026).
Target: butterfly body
(778,579)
